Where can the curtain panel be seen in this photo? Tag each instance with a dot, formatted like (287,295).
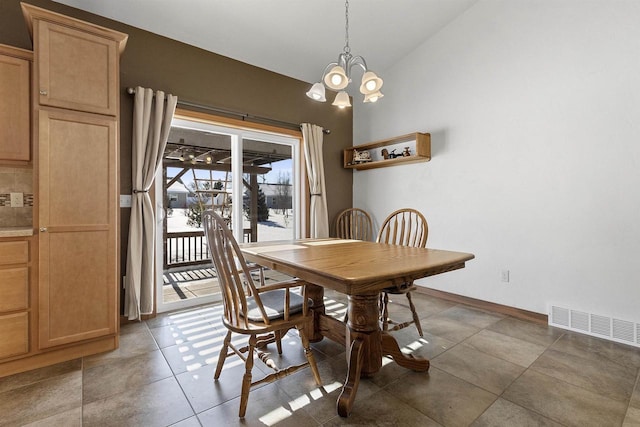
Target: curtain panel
(313,140)
(152,116)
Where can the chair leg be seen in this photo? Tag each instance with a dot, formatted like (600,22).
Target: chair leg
(223,355)
(385,311)
(246,379)
(416,319)
(278,336)
(309,355)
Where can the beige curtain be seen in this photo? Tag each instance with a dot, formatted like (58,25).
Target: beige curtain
(152,117)
(319,221)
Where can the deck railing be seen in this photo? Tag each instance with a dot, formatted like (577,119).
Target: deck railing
(186,248)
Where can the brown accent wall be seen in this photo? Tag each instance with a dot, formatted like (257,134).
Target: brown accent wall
(204,78)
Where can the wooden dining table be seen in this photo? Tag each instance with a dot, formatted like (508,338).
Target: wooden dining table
(361,270)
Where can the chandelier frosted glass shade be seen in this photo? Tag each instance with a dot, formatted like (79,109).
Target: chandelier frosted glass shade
(371,83)
(373,97)
(342,100)
(336,78)
(317,92)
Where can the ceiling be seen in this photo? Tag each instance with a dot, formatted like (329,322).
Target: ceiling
(196,149)
(297,38)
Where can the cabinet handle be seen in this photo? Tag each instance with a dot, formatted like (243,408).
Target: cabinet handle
(43,229)
(43,92)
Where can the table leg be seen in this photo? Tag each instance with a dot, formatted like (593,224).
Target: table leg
(391,348)
(316,294)
(348,393)
(364,346)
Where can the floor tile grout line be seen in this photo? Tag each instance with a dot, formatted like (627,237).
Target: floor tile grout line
(173,374)
(636,386)
(582,357)
(532,369)
(502,396)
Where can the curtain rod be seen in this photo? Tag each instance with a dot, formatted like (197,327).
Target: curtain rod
(244,116)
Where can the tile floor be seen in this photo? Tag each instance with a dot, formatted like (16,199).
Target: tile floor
(487,370)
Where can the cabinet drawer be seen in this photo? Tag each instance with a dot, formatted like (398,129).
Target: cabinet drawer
(14,330)
(14,289)
(14,252)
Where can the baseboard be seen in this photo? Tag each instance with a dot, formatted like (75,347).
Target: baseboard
(485,305)
(125,321)
(51,357)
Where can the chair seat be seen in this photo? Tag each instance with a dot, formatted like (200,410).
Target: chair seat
(273,302)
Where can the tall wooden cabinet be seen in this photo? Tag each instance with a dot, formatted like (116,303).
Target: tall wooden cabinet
(75,106)
(76,82)
(15,135)
(78,259)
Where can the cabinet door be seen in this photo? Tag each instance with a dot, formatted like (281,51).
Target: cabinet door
(14,109)
(76,70)
(77,215)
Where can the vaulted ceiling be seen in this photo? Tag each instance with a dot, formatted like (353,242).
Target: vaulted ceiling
(297,38)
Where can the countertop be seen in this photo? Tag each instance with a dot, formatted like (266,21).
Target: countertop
(16,231)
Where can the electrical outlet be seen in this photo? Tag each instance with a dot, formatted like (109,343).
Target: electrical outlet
(17,200)
(505,276)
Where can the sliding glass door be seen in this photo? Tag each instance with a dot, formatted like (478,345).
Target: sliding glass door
(252,178)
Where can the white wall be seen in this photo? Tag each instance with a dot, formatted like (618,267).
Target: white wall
(534,111)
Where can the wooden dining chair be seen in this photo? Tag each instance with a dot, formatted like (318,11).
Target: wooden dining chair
(407,227)
(354,223)
(264,313)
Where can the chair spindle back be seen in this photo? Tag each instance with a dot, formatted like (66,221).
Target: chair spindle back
(232,271)
(354,223)
(407,227)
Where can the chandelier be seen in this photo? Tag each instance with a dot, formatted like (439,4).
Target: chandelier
(337,76)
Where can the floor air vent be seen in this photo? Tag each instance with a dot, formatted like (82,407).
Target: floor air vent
(596,325)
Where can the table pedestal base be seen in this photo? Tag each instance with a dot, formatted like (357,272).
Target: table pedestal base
(366,346)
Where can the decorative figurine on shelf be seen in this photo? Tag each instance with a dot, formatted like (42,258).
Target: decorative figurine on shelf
(406,152)
(393,154)
(361,156)
(385,153)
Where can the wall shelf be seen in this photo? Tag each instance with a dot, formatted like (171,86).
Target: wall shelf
(419,145)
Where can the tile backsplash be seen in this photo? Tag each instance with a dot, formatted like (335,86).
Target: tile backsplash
(16,180)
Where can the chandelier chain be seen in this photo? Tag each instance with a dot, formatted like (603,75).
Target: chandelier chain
(347,49)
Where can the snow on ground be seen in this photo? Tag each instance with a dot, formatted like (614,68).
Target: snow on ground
(278,227)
